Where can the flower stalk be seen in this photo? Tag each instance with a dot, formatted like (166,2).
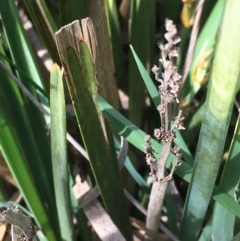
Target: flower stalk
(170,83)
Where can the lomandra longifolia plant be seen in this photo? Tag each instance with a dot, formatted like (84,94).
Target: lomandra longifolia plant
(170,82)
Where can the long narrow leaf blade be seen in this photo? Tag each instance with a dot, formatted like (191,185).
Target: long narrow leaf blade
(146,78)
(44,24)
(14,145)
(142,25)
(38,148)
(59,153)
(77,51)
(115,35)
(229,181)
(220,99)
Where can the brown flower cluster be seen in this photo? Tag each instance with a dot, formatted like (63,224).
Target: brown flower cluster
(170,83)
(150,158)
(171,80)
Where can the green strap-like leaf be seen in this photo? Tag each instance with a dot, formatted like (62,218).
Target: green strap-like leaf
(221,94)
(141,38)
(229,181)
(59,154)
(15,142)
(76,45)
(70,10)
(44,24)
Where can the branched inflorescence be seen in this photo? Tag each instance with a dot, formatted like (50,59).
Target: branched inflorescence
(170,82)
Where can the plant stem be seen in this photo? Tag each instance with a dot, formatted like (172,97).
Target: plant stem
(157,195)
(168,89)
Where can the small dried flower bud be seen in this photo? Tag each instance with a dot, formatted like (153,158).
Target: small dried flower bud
(161,109)
(176,149)
(149,151)
(160,133)
(169,25)
(171,35)
(179,155)
(178,123)
(149,159)
(176,163)
(147,138)
(177,78)
(155,70)
(169,97)
(157,133)
(176,40)
(161,89)
(162,47)
(147,148)
(174,53)
(148,156)
(169,136)
(174,88)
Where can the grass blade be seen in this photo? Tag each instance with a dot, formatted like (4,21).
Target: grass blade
(142,25)
(236,238)
(146,78)
(15,143)
(229,181)
(59,154)
(78,54)
(37,150)
(224,82)
(70,10)
(206,233)
(115,35)
(44,24)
